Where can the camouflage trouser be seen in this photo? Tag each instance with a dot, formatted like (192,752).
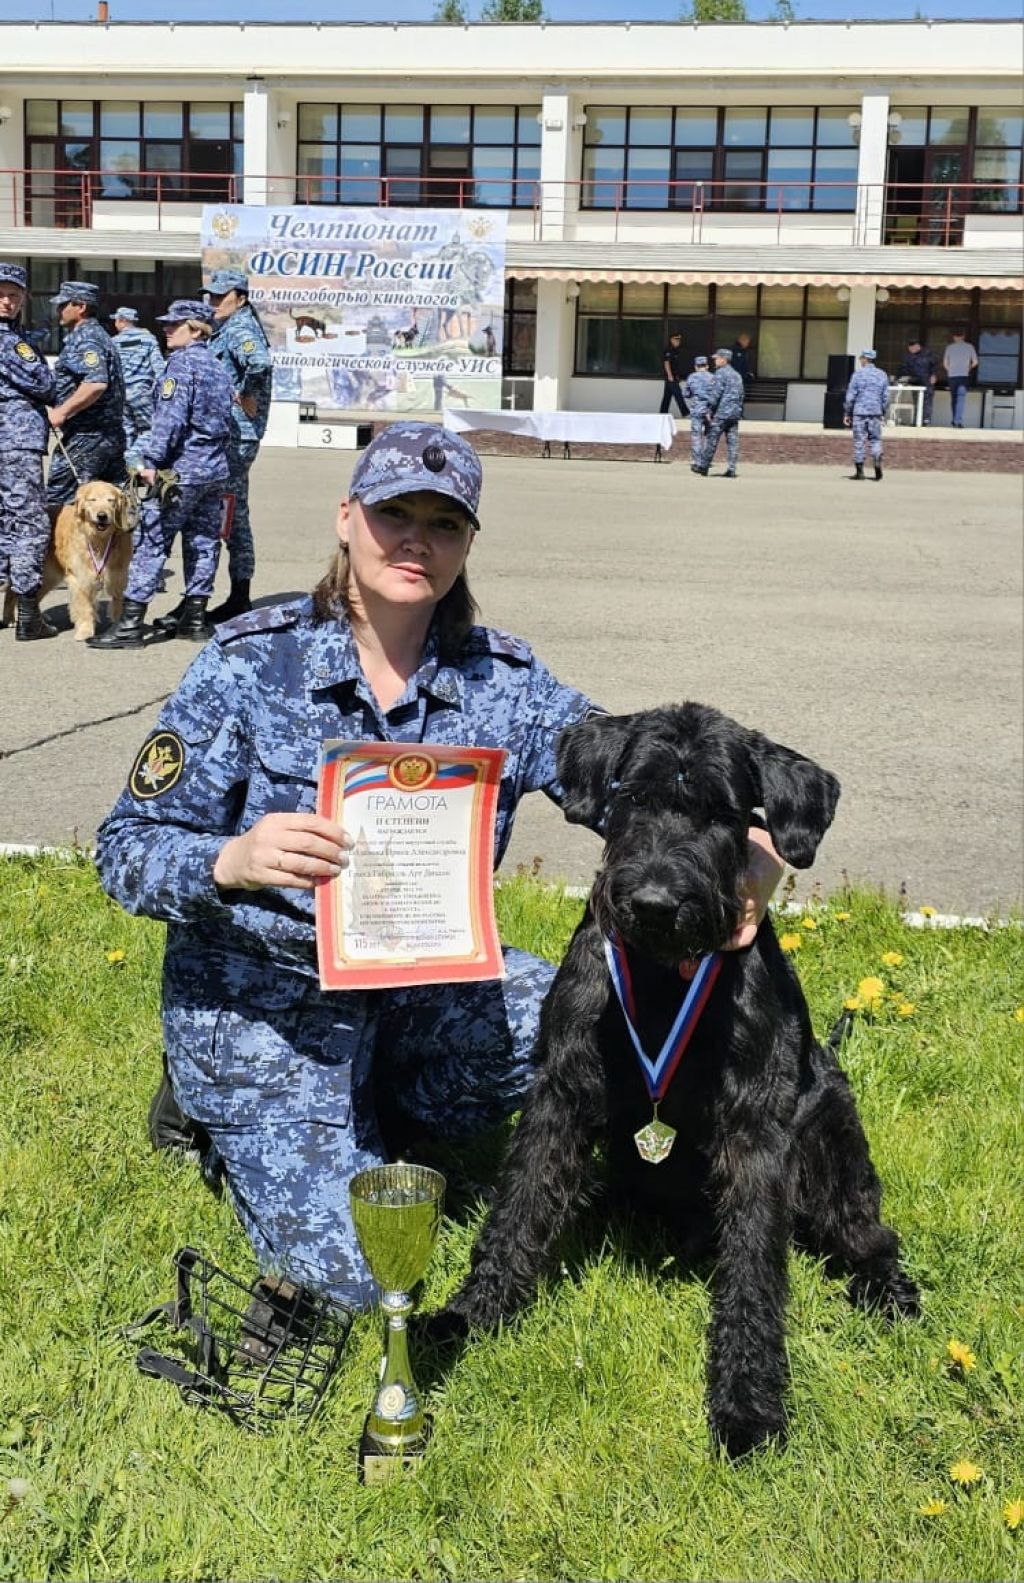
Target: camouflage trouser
(241,550)
(92,456)
(866,430)
(197,518)
(730,427)
(24,520)
(288,1097)
(698,430)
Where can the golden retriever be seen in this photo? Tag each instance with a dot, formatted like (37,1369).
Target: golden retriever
(90,550)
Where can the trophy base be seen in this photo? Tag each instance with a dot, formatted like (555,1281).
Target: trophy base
(379,1466)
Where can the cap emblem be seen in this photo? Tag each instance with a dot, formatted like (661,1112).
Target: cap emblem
(434,459)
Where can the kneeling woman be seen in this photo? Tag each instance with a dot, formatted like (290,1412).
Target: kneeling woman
(216,833)
(190,434)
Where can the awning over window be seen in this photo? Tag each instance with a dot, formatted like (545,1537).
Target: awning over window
(767,277)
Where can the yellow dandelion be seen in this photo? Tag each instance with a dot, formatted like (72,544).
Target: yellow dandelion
(841,917)
(1013,1514)
(871,991)
(934,1508)
(927,912)
(853,1003)
(965,1473)
(808,923)
(790,942)
(892,958)
(906,1008)
(1018,1015)
(962,1356)
(114,957)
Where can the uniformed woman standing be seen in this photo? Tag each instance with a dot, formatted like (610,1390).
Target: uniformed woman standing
(216,833)
(190,435)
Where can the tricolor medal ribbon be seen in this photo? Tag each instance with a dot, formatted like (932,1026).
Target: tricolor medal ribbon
(654,1142)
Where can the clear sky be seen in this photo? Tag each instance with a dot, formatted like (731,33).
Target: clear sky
(423,10)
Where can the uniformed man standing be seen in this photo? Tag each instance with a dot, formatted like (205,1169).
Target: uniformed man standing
(90,398)
(672,369)
(697,390)
(867,402)
(142,364)
(240,343)
(191,434)
(920,366)
(26,388)
(726,409)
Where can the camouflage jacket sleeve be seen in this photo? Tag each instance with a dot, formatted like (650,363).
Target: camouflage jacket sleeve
(251,357)
(171,412)
(555,706)
(155,851)
(89,360)
(22,368)
(157,360)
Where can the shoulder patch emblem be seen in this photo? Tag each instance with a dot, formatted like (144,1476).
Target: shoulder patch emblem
(248,346)
(27,352)
(168,388)
(158,766)
(90,358)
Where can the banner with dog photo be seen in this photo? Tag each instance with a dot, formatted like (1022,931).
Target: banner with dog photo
(400,310)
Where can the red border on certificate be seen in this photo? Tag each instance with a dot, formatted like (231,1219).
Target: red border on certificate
(399,787)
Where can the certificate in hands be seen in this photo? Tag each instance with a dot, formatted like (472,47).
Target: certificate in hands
(416,903)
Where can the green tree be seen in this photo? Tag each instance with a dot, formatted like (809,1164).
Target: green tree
(513,11)
(783,11)
(451,11)
(715,11)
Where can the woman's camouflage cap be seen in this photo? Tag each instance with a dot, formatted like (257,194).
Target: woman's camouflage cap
(408,457)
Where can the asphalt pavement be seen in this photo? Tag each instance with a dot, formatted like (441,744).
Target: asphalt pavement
(875,627)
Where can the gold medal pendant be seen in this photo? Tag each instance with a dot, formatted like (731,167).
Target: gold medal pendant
(654,1142)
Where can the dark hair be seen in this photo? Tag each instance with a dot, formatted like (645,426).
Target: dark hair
(456,612)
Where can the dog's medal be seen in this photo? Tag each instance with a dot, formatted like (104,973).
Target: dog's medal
(654,1142)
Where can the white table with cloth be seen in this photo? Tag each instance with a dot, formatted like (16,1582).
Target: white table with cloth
(583,428)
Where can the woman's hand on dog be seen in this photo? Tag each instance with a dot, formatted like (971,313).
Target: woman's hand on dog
(294,850)
(764,870)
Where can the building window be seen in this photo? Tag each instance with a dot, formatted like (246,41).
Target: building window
(440,156)
(621,329)
(520,341)
(78,152)
(950,161)
(747,158)
(146,284)
(991,320)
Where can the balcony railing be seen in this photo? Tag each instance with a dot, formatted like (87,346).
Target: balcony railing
(902,213)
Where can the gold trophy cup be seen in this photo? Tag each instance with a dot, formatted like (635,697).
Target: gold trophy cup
(396,1210)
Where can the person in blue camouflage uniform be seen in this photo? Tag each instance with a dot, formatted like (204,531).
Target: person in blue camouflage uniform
(142,364)
(240,343)
(190,435)
(26,389)
(864,409)
(725,408)
(90,398)
(216,833)
(698,390)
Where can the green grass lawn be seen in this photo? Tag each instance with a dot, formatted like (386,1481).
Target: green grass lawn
(574,1444)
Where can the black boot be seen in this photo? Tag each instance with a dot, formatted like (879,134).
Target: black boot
(194,623)
(858,473)
(167,626)
(170,1128)
(127,634)
(703,471)
(236,604)
(730,473)
(30,623)
(878,471)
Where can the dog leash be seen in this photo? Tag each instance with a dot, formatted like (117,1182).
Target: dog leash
(654,1142)
(64,452)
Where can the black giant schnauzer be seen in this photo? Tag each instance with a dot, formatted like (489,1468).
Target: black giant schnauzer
(769,1146)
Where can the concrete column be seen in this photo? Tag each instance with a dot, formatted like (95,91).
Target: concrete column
(872,162)
(559,163)
(269,145)
(12,157)
(860,326)
(555,322)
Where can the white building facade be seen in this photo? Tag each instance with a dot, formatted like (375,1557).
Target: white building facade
(822,187)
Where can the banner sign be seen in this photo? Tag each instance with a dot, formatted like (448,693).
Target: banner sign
(401,310)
